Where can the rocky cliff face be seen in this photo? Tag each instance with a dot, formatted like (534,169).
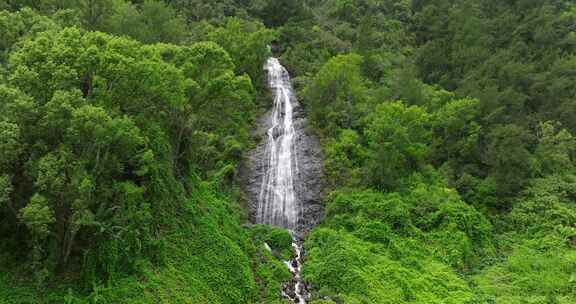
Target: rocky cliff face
(308,179)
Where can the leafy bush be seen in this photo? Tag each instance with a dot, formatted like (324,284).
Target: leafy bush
(537,271)
(279,240)
(356,271)
(369,237)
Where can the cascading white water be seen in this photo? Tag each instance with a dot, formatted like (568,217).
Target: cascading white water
(278,202)
(299,292)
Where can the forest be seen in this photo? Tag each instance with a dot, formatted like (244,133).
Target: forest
(447,130)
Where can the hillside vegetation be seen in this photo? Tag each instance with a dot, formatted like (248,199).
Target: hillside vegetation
(447,129)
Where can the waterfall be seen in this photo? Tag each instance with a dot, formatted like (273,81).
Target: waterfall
(278,200)
(277,203)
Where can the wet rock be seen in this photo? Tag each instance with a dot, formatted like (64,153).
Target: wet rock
(290,293)
(283,177)
(309,182)
(277,132)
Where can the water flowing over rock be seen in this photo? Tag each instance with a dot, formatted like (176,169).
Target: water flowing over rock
(296,290)
(283,176)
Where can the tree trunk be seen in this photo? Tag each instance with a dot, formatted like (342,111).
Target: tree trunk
(86,85)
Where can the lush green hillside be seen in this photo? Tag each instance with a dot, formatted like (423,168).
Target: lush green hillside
(118,160)
(447,128)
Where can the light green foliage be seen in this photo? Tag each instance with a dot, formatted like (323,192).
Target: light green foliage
(460,235)
(218,110)
(397,248)
(246,42)
(21,24)
(270,269)
(447,129)
(101,138)
(456,143)
(10,145)
(555,148)
(272,274)
(490,146)
(345,156)
(37,216)
(209,259)
(279,240)
(434,212)
(457,131)
(545,207)
(357,271)
(217,254)
(148,21)
(399,138)
(537,271)
(117,130)
(336,95)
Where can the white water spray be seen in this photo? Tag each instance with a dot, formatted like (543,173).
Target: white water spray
(278,202)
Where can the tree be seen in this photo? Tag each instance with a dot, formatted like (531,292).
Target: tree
(398,138)
(556,149)
(457,131)
(10,145)
(246,42)
(345,157)
(162,23)
(208,10)
(337,95)
(127,20)
(510,161)
(213,121)
(84,153)
(38,218)
(20,24)
(275,13)
(96,13)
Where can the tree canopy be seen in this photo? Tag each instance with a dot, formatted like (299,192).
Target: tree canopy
(447,130)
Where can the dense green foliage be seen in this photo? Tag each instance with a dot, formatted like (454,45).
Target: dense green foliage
(118,158)
(447,129)
(502,139)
